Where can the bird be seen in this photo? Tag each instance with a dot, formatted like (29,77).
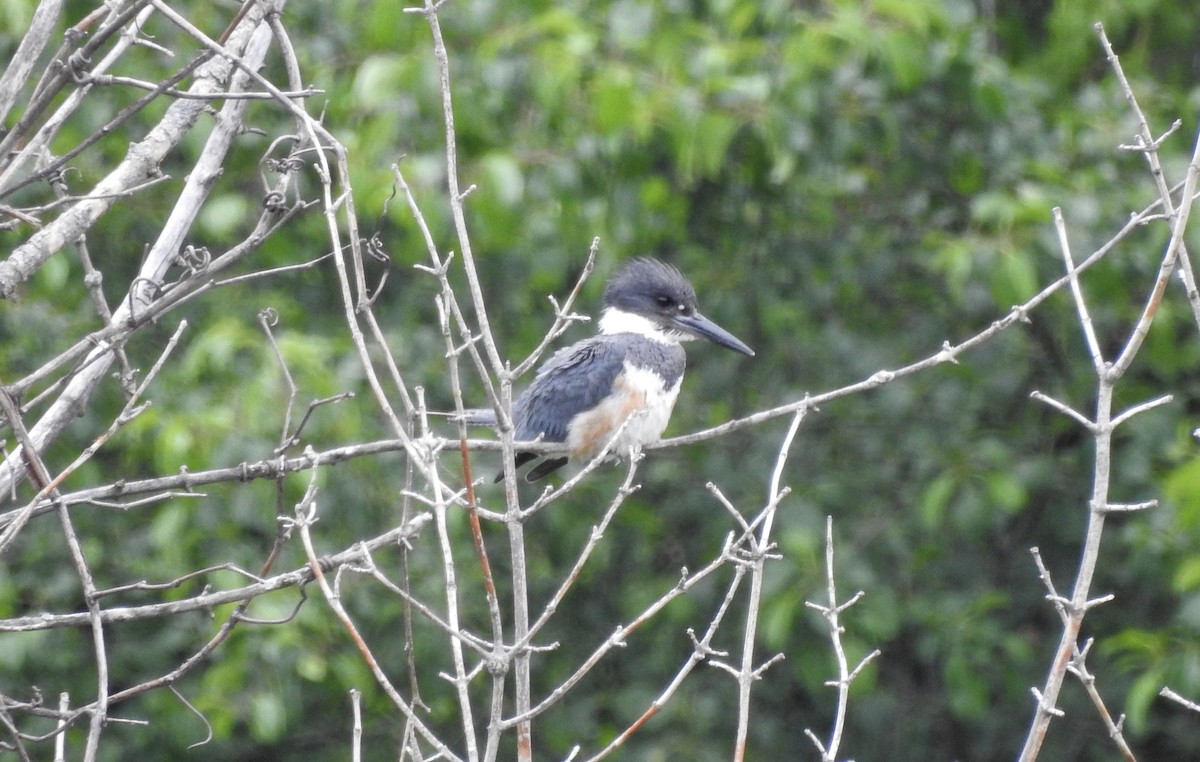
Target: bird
(628,374)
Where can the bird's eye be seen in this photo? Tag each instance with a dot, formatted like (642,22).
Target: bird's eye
(664,301)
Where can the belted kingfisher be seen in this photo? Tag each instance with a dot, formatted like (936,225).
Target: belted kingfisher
(627,374)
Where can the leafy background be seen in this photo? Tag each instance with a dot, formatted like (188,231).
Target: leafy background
(849,184)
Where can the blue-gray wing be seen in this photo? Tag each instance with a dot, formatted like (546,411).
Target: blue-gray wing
(573,380)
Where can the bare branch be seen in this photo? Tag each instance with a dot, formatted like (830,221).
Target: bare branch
(831,613)
(747,674)
(1085,319)
(1173,696)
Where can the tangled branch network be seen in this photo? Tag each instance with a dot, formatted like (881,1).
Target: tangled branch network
(475,625)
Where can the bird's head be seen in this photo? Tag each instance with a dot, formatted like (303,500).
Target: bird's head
(653,298)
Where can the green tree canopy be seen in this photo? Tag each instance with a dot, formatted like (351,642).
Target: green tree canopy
(851,185)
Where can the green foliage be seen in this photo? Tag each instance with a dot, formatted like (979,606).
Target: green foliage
(850,184)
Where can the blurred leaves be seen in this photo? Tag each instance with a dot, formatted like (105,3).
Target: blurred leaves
(850,184)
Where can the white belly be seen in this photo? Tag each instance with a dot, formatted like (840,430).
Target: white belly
(640,401)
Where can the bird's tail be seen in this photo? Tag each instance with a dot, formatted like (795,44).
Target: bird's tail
(539,470)
(487,417)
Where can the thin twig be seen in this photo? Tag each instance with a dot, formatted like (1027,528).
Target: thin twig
(831,613)
(748,673)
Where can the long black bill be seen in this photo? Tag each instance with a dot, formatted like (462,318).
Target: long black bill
(700,326)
